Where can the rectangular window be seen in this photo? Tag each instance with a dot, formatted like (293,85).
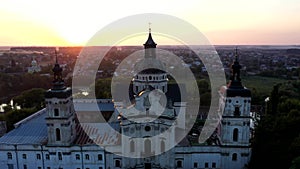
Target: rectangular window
(9,155)
(39,167)
(48,168)
(47,157)
(56,112)
(206,165)
(213,165)
(100,158)
(38,156)
(10,166)
(195,165)
(100,167)
(24,156)
(77,157)
(87,157)
(25,166)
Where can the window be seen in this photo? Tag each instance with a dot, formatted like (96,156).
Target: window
(10,166)
(25,166)
(59,156)
(163,88)
(77,156)
(179,164)
(38,156)
(117,163)
(136,89)
(195,165)
(87,168)
(162,146)
(131,146)
(206,165)
(234,157)
(87,157)
(57,132)
(100,157)
(47,157)
(39,167)
(147,146)
(24,156)
(48,168)
(213,165)
(9,155)
(56,112)
(100,167)
(237,111)
(235,134)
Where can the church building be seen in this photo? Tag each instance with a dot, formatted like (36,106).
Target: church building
(53,138)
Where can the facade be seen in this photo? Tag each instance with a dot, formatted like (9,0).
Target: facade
(53,138)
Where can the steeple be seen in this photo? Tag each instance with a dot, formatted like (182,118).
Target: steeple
(58,82)
(235,79)
(150,46)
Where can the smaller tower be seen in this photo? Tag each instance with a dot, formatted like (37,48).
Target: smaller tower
(61,116)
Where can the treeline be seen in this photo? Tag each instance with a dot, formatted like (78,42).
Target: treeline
(276,143)
(30,101)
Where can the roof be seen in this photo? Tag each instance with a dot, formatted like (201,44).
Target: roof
(31,131)
(91,106)
(150,42)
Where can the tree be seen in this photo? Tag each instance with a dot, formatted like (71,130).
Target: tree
(15,116)
(33,98)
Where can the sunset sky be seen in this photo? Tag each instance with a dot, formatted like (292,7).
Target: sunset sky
(223,22)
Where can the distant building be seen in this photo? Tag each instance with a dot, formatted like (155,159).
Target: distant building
(53,138)
(34,67)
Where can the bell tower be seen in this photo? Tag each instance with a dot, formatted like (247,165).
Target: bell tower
(235,100)
(60,111)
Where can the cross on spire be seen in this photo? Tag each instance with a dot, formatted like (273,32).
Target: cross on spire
(149,27)
(56,50)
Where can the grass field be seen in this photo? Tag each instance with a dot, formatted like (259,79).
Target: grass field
(261,84)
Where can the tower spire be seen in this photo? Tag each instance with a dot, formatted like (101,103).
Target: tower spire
(56,50)
(150,45)
(149,27)
(58,82)
(235,79)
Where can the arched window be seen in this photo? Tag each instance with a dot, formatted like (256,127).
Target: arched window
(147,146)
(162,146)
(117,163)
(100,158)
(131,146)
(56,112)
(234,157)
(179,164)
(57,132)
(235,134)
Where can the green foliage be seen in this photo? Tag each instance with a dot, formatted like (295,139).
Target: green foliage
(33,98)
(296,163)
(103,88)
(277,140)
(15,116)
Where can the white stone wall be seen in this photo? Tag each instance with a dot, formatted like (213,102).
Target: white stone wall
(67,161)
